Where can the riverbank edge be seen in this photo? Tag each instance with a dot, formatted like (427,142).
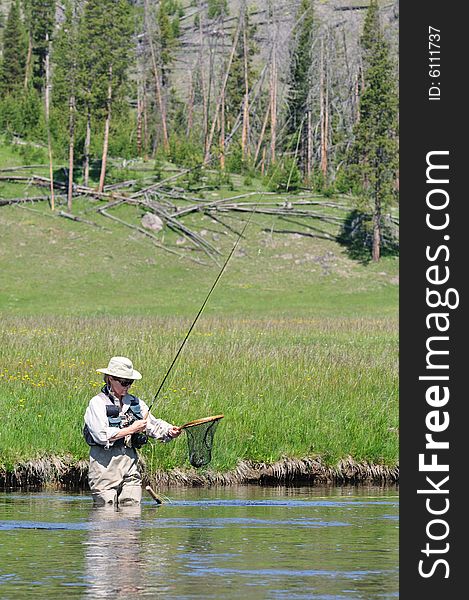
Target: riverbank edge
(68,473)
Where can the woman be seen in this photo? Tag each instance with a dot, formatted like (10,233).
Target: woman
(116,423)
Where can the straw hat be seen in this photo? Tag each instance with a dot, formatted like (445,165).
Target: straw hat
(120,366)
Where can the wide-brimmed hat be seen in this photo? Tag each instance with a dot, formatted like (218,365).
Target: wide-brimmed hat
(120,366)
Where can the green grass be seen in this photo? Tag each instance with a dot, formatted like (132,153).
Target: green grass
(57,267)
(297,345)
(287,387)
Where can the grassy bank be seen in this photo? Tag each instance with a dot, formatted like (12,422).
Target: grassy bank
(288,387)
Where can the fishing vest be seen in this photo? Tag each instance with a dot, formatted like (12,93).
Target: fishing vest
(115,420)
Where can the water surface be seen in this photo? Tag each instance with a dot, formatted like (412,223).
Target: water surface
(244,542)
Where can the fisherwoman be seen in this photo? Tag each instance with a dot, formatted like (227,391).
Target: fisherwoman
(116,424)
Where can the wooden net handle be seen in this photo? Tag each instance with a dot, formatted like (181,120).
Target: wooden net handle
(199,421)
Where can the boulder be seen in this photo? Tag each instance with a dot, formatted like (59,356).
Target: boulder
(151,221)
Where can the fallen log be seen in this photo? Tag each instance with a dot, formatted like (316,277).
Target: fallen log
(150,235)
(304,233)
(79,219)
(6,201)
(180,228)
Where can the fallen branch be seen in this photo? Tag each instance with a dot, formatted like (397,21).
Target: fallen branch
(304,233)
(218,220)
(160,183)
(307,226)
(79,219)
(150,235)
(205,205)
(180,228)
(6,201)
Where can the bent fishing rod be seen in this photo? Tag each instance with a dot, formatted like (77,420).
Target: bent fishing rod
(200,310)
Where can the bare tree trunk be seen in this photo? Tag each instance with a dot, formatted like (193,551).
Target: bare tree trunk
(261,136)
(202,81)
(273,107)
(263,161)
(29,56)
(156,73)
(222,92)
(47,108)
(357,97)
(309,158)
(145,124)
(222,133)
(102,176)
(139,122)
(324,102)
(71,148)
(86,148)
(376,247)
(245,132)
(209,94)
(190,105)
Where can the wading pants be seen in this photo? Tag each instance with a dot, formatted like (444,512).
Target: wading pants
(113,476)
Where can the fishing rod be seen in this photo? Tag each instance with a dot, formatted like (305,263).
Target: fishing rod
(211,290)
(200,310)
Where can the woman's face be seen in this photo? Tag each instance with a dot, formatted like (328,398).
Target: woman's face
(119,386)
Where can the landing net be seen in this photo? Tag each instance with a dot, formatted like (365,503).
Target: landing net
(200,435)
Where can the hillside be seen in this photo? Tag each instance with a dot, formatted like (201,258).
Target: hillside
(53,265)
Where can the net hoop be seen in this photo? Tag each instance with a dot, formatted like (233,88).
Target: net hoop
(199,421)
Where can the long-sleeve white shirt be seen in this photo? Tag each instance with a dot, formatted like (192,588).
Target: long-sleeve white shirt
(98,424)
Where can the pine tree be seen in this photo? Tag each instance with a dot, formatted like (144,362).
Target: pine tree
(13,65)
(300,83)
(217,8)
(375,151)
(40,17)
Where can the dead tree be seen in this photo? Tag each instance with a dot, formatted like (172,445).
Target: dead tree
(157,77)
(324,110)
(245,132)
(47,110)
(71,148)
(221,95)
(273,106)
(107,124)
(87,144)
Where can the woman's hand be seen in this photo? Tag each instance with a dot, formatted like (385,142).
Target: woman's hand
(175,431)
(138,426)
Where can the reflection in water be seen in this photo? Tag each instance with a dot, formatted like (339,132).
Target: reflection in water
(113,561)
(204,544)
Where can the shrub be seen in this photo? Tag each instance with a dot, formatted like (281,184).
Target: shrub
(285,176)
(357,235)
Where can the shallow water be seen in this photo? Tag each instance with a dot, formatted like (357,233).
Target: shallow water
(242,542)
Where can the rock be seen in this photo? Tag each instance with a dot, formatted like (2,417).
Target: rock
(151,221)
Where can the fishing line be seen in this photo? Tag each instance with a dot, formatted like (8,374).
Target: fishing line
(262,194)
(201,308)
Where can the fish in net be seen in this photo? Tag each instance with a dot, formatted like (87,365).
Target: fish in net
(200,435)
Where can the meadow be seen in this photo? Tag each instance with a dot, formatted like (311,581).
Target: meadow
(288,387)
(297,346)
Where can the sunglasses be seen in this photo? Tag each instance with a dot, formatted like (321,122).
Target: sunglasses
(123,382)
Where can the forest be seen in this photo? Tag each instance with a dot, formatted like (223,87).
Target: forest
(303,95)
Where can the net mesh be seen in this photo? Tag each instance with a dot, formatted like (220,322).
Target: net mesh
(200,442)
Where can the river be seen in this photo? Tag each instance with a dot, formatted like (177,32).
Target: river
(247,542)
